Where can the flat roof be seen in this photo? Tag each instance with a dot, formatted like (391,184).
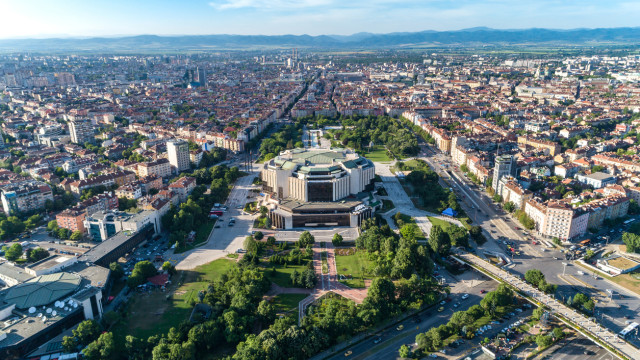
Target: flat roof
(599,176)
(99,251)
(49,262)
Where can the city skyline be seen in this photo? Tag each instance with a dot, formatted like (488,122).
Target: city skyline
(42,19)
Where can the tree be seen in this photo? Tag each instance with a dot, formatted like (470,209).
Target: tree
(263,211)
(533,276)
(250,245)
(381,296)
(116,270)
(14,252)
(475,231)
(404,351)
(439,240)
(543,341)
(102,348)
(509,206)
(266,311)
(558,333)
(632,241)
(52,225)
(258,235)
(271,240)
(337,240)
(141,272)
(305,239)
(76,236)
(410,231)
(86,332)
(169,268)
(38,254)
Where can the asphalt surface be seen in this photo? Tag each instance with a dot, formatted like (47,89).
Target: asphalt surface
(225,239)
(496,224)
(391,339)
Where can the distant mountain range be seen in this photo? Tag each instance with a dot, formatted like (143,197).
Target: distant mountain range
(466,37)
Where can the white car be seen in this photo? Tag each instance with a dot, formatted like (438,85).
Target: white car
(465,297)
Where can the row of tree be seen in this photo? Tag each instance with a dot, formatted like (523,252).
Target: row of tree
(462,322)
(359,132)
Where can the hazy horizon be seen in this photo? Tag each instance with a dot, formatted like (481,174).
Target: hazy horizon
(117,18)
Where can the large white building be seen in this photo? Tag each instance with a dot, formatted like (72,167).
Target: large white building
(317,175)
(318,188)
(178,151)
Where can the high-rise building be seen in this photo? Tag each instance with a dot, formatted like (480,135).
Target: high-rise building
(1,139)
(81,131)
(178,151)
(505,165)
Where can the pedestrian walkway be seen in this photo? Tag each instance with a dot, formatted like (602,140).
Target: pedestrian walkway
(328,282)
(404,204)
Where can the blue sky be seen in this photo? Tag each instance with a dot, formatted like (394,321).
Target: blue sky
(47,18)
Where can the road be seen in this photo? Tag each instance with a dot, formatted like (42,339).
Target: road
(602,333)
(226,239)
(470,283)
(496,223)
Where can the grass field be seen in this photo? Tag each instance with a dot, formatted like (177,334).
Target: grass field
(283,274)
(440,222)
(156,312)
(409,165)
(377,154)
(286,303)
(202,234)
(353,265)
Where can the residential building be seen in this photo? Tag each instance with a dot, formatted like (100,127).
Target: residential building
(25,197)
(597,180)
(505,165)
(178,153)
(81,131)
(160,167)
(183,187)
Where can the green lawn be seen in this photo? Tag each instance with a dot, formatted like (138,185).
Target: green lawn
(352,265)
(202,234)
(283,274)
(156,312)
(377,154)
(440,222)
(409,165)
(285,303)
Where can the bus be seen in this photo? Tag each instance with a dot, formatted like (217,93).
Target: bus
(629,330)
(629,221)
(216,213)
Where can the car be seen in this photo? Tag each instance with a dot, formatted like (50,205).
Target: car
(456,305)
(441,309)
(377,340)
(465,296)
(348,353)
(483,291)
(400,327)
(217,226)
(442,302)
(230,224)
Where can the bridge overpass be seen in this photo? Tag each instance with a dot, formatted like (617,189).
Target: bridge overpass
(588,327)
